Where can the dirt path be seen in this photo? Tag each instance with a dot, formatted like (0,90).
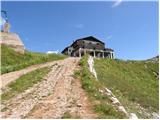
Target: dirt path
(9,77)
(57,94)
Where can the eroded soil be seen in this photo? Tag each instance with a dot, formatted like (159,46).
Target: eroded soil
(57,94)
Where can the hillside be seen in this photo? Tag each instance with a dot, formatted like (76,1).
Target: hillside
(11,60)
(67,89)
(135,83)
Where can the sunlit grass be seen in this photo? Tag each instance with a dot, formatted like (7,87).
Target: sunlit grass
(131,81)
(11,60)
(24,82)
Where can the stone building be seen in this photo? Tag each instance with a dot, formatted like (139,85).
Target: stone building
(11,39)
(90,45)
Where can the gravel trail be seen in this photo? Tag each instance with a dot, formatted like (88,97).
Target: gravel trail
(11,76)
(57,94)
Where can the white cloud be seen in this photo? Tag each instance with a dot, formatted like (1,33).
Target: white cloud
(51,52)
(79,26)
(117,3)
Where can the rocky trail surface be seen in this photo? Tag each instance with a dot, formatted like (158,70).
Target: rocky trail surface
(9,77)
(58,93)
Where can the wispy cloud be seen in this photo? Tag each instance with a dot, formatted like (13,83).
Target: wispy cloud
(51,52)
(117,3)
(79,26)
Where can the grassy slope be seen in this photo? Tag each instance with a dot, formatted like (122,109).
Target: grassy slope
(11,60)
(132,82)
(24,82)
(101,104)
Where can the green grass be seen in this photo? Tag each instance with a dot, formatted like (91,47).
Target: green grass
(102,104)
(76,74)
(24,82)
(4,109)
(68,115)
(11,60)
(133,82)
(106,111)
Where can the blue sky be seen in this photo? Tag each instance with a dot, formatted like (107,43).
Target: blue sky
(130,28)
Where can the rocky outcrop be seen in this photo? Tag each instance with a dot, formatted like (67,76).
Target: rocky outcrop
(12,40)
(91,66)
(154,59)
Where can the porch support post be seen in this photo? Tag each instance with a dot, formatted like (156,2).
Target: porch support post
(94,53)
(79,52)
(113,55)
(68,51)
(109,55)
(103,54)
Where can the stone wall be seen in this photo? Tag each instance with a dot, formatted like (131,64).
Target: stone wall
(12,40)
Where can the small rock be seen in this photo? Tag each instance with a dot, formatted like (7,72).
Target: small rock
(108,94)
(155,115)
(133,116)
(114,100)
(79,105)
(122,109)
(101,91)
(69,106)
(45,78)
(107,90)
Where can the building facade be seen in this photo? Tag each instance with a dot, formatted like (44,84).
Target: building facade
(88,45)
(11,39)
